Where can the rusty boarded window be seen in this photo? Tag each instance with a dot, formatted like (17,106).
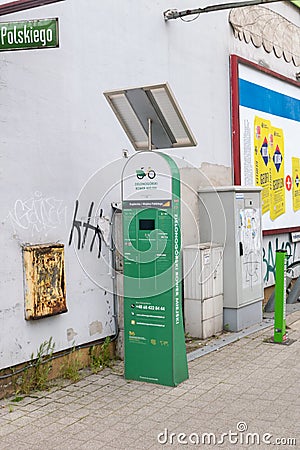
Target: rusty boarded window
(45,287)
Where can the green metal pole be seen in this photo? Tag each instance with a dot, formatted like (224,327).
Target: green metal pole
(280,289)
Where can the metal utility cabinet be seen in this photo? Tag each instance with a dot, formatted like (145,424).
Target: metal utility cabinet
(231,216)
(203,289)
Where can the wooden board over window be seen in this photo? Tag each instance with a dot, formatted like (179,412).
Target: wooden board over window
(45,287)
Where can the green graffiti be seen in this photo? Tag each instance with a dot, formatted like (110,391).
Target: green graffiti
(270,254)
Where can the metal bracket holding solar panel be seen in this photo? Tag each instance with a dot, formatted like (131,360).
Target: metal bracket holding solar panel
(151,117)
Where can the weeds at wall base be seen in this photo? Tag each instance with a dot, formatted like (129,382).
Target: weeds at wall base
(36,375)
(100,356)
(46,373)
(70,368)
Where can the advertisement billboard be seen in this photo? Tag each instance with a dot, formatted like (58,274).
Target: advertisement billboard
(265,139)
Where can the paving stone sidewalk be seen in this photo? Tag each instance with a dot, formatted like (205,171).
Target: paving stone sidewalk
(249,389)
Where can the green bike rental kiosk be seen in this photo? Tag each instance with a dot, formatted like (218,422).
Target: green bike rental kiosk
(154,344)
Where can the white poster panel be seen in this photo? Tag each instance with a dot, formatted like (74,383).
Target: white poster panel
(269,117)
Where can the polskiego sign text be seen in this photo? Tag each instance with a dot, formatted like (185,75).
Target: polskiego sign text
(29,34)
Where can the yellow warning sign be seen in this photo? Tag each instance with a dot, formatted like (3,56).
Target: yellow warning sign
(262,129)
(277,188)
(296,183)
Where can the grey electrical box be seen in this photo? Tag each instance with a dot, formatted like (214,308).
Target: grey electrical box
(203,289)
(231,216)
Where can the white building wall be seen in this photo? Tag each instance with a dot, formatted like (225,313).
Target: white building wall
(60,142)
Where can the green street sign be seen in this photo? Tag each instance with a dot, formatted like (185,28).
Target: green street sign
(29,34)
(154,341)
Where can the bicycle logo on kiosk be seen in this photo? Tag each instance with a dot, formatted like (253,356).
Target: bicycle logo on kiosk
(141,173)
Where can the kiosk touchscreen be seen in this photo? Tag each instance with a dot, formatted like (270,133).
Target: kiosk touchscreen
(154,344)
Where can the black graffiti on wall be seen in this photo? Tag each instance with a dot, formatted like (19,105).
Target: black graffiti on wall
(83,229)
